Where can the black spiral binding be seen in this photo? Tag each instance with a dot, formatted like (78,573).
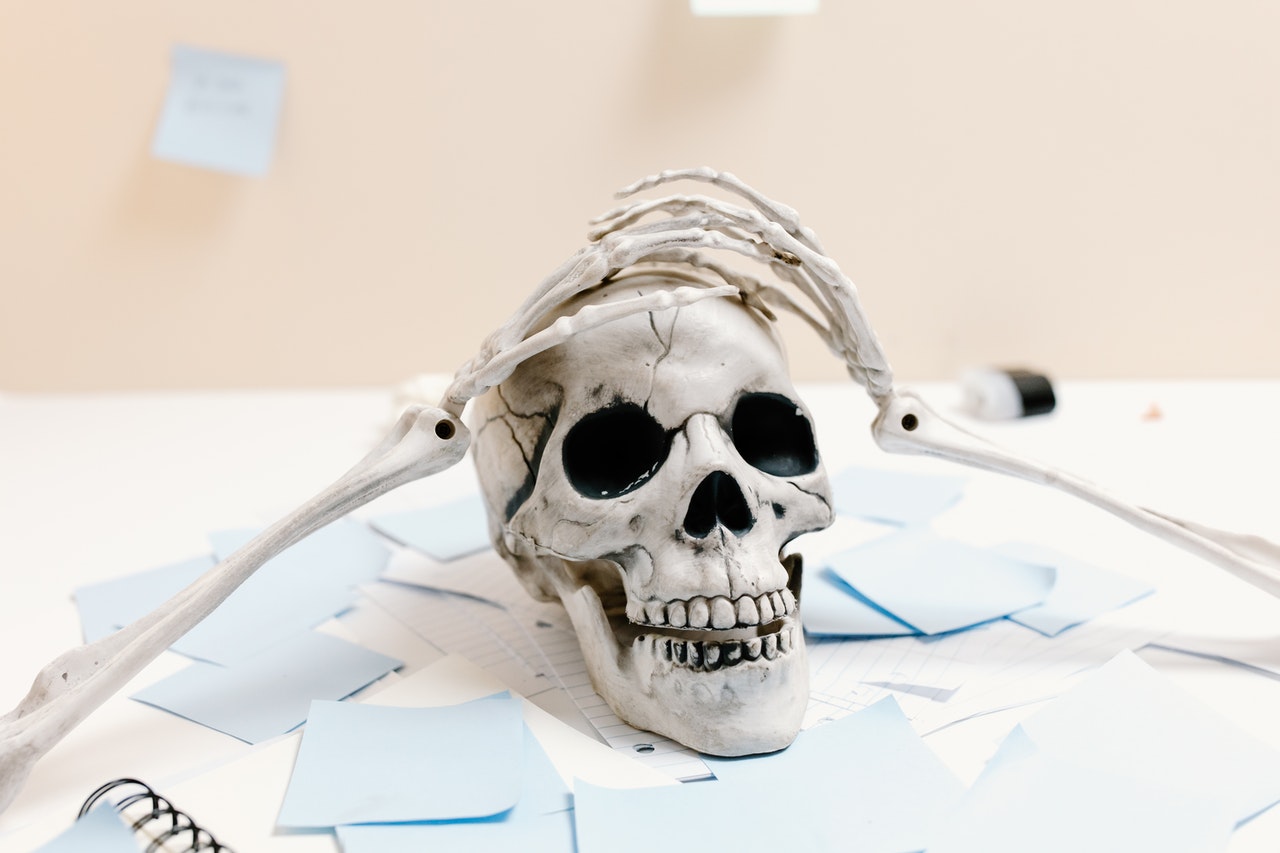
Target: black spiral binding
(180,826)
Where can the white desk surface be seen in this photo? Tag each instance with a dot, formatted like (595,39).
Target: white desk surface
(93,487)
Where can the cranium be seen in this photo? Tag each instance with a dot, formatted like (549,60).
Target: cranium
(648,474)
(720,711)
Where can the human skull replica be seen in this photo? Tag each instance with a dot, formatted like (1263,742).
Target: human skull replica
(645,460)
(648,474)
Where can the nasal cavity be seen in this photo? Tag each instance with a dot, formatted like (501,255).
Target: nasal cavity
(717,500)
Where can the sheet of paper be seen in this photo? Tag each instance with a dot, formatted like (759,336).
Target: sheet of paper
(362,763)
(482,632)
(455,679)
(461,576)
(220,111)
(993,666)
(444,532)
(1129,720)
(541,820)
(1080,592)
(268,694)
(100,831)
(831,608)
(107,606)
(896,497)
(938,585)
(1028,800)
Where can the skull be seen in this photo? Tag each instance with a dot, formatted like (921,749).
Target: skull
(648,473)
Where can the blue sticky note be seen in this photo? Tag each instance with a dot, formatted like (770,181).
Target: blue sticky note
(293,592)
(829,607)
(699,816)
(865,783)
(1080,592)
(298,589)
(345,554)
(376,764)
(869,775)
(268,694)
(220,112)
(100,831)
(896,497)
(540,822)
(532,833)
(263,612)
(107,606)
(1026,799)
(445,532)
(939,585)
(1129,720)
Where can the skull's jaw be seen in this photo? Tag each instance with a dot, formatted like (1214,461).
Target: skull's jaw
(734,691)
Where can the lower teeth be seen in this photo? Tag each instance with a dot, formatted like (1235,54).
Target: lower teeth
(711,656)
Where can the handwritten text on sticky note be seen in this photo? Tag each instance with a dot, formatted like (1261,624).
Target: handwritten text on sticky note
(220,112)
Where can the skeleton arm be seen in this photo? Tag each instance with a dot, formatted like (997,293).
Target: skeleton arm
(424,441)
(907,425)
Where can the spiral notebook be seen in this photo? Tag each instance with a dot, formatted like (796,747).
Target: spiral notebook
(127,814)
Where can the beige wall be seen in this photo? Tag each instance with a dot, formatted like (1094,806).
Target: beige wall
(1091,187)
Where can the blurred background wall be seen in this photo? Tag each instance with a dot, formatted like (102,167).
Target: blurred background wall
(1090,188)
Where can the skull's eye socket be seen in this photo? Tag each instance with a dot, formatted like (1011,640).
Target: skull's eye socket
(773,435)
(614,450)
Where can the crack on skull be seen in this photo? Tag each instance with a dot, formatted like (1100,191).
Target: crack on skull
(671,334)
(666,345)
(531,415)
(531,456)
(816,495)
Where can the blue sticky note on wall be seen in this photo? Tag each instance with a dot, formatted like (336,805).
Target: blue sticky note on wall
(220,112)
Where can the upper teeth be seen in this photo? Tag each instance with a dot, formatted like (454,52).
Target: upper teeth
(715,612)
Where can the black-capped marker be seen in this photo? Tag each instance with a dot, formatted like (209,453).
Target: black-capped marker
(1000,394)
